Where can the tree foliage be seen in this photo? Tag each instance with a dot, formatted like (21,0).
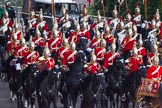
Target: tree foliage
(152,5)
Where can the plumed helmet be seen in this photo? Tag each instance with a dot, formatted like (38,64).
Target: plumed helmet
(98,15)
(93,56)
(115,12)
(103,41)
(6,13)
(65,41)
(153,22)
(107,28)
(134,50)
(135,28)
(113,45)
(73,45)
(128,15)
(157,14)
(63,10)
(46,50)
(97,32)
(38,33)
(140,40)
(41,14)
(156,58)
(155,45)
(55,24)
(130,31)
(16,25)
(137,9)
(22,40)
(55,32)
(31,43)
(77,26)
(33,13)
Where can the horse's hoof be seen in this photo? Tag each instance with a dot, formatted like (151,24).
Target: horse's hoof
(70,107)
(25,104)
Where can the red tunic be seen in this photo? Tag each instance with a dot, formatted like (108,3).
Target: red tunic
(39,41)
(100,52)
(33,23)
(11,46)
(75,36)
(127,44)
(61,52)
(84,34)
(133,64)
(17,34)
(50,63)
(31,57)
(109,59)
(69,57)
(109,38)
(21,51)
(54,44)
(93,68)
(154,72)
(94,43)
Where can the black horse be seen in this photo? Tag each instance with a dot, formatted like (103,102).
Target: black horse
(29,85)
(48,91)
(114,79)
(92,92)
(75,77)
(130,91)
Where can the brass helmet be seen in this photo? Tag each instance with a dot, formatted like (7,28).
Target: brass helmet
(140,40)
(113,45)
(41,14)
(128,15)
(98,15)
(63,10)
(16,25)
(73,45)
(55,24)
(103,42)
(31,43)
(33,13)
(93,56)
(137,9)
(157,14)
(46,50)
(156,58)
(115,12)
(134,50)
(38,33)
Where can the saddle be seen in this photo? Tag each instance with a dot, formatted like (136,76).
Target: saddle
(149,87)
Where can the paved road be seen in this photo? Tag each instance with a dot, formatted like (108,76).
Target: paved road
(5,100)
(4,96)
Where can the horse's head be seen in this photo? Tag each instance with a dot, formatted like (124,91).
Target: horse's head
(99,79)
(119,64)
(81,57)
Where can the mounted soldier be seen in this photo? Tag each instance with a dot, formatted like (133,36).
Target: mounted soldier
(138,18)
(101,51)
(127,44)
(54,43)
(32,24)
(110,56)
(42,25)
(114,21)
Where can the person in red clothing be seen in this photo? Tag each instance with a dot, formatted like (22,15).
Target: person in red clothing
(150,55)
(142,55)
(32,23)
(46,65)
(108,37)
(84,33)
(21,50)
(73,36)
(69,57)
(127,44)
(154,72)
(38,40)
(110,56)
(11,45)
(62,50)
(54,43)
(95,41)
(42,25)
(92,67)
(100,52)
